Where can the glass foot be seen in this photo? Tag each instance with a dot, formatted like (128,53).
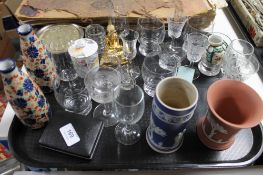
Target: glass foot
(149,90)
(135,72)
(127,134)
(108,119)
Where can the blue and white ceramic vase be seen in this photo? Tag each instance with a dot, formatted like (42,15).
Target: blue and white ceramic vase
(36,58)
(24,95)
(173,106)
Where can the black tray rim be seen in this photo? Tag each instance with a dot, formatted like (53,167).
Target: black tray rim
(112,166)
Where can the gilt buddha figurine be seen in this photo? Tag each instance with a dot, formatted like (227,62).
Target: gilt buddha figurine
(113,54)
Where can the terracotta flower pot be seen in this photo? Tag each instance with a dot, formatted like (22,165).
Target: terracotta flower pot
(233,105)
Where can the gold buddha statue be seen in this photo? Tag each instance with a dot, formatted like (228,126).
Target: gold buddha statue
(113,54)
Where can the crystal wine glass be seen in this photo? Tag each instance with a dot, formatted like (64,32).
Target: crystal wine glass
(175,27)
(100,83)
(196,47)
(129,39)
(129,106)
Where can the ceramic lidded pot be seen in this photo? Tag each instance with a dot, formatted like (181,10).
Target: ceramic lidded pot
(232,105)
(36,58)
(24,95)
(211,62)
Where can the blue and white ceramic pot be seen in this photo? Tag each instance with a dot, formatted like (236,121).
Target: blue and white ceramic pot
(173,106)
(24,95)
(36,58)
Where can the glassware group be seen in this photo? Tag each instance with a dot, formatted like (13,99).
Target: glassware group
(81,78)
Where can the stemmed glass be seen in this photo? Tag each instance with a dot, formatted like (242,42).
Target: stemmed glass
(239,62)
(129,39)
(175,27)
(152,33)
(203,24)
(100,83)
(129,106)
(196,47)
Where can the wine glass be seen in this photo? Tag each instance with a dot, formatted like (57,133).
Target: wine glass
(100,83)
(129,108)
(175,27)
(201,24)
(196,47)
(70,92)
(239,62)
(129,39)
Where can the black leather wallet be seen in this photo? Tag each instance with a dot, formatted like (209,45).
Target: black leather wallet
(88,130)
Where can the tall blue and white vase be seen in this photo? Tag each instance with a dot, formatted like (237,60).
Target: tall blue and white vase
(24,95)
(36,58)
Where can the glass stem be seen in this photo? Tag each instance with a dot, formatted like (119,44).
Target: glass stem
(107,109)
(191,65)
(173,43)
(130,67)
(127,129)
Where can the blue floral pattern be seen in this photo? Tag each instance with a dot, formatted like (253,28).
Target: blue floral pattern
(41,101)
(32,52)
(43,61)
(19,93)
(32,39)
(8,81)
(28,85)
(20,102)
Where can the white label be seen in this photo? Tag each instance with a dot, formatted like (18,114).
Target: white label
(69,134)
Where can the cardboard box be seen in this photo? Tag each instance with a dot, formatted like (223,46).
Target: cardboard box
(249,22)
(6,47)
(9,22)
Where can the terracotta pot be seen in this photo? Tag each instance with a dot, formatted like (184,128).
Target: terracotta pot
(233,105)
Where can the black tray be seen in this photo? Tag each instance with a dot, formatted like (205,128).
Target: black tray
(112,155)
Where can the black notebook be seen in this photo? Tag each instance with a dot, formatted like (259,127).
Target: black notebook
(81,143)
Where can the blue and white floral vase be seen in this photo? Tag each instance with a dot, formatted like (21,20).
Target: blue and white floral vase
(36,58)
(24,95)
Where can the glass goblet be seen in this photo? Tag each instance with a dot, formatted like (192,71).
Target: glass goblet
(152,33)
(201,24)
(239,62)
(196,47)
(175,27)
(129,106)
(129,39)
(70,92)
(100,83)
(154,69)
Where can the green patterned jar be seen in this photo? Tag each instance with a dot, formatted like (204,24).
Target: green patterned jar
(211,62)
